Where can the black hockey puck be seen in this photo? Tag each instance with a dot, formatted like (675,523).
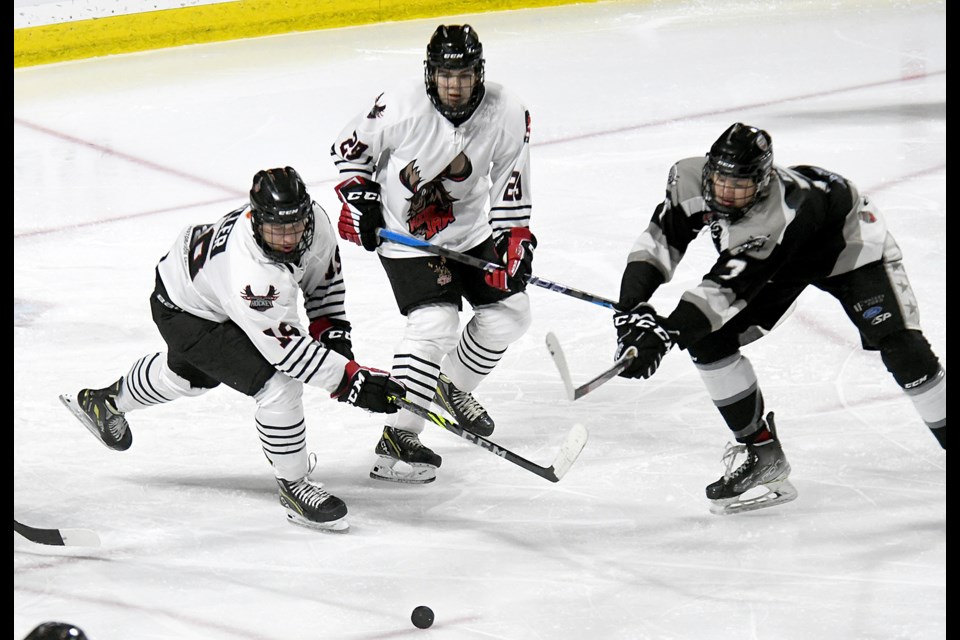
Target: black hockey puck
(422,617)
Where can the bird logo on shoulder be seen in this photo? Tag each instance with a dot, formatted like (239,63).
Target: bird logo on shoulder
(260,302)
(753,242)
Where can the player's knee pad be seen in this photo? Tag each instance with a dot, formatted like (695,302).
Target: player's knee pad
(909,358)
(502,323)
(281,427)
(728,379)
(182,384)
(732,385)
(433,327)
(150,381)
(281,396)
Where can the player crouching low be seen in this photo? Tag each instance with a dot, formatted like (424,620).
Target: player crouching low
(225,302)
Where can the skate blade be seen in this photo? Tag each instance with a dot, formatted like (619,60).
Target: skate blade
(334,526)
(777,493)
(70,402)
(385,469)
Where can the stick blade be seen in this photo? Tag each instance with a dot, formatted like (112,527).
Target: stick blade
(560,360)
(576,441)
(58,537)
(80,538)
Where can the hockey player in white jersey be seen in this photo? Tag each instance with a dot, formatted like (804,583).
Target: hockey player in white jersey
(225,303)
(777,230)
(449,165)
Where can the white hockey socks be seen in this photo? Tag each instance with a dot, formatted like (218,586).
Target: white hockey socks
(281,427)
(485,339)
(150,382)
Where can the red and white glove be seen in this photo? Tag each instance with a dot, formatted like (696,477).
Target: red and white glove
(361,213)
(368,388)
(515,249)
(334,334)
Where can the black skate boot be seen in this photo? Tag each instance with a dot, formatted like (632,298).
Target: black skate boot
(97,410)
(765,467)
(308,505)
(464,408)
(398,445)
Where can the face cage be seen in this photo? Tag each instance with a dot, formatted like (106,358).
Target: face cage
(292,257)
(448,112)
(731,213)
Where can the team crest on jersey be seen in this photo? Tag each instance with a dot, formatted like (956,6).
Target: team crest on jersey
(431,205)
(377,110)
(444,277)
(753,242)
(867,216)
(260,302)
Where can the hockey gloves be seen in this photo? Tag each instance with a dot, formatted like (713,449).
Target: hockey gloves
(362,212)
(515,250)
(334,334)
(643,329)
(369,389)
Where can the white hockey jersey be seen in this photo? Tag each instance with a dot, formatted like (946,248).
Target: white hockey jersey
(219,273)
(449,185)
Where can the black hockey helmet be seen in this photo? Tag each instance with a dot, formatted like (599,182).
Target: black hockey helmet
(741,152)
(278,196)
(56,631)
(454,47)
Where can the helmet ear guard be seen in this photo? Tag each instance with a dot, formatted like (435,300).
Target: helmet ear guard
(454,47)
(741,152)
(279,196)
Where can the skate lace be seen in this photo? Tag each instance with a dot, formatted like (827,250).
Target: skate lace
(408,439)
(729,459)
(307,493)
(466,404)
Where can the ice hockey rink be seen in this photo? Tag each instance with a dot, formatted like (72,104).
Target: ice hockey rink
(112,156)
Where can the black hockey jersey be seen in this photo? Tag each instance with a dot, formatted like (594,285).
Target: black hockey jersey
(813,224)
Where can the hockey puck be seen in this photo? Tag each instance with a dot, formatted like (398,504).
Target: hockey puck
(422,617)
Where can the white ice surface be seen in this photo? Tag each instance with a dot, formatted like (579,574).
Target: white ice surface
(113,155)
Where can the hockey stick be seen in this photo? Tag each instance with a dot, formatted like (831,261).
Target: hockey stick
(575,393)
(58,537)
(571,448)
(543,283)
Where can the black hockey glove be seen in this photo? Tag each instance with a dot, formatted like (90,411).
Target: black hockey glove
(642,329)
(515,250)
(362,212)
(334,334)
(369,389)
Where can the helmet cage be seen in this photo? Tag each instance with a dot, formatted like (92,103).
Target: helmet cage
(742,152)
(278,196)
(454,48)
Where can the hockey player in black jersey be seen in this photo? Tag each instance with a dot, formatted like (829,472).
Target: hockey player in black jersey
(777,230)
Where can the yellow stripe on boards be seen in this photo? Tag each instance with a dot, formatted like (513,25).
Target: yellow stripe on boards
(230,21)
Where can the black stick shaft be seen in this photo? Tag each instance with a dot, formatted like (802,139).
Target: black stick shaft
(543,283)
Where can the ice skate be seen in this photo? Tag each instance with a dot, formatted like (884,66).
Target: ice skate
(418,463)
(759,482)
(309,505)
(464,408)
(97,410)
